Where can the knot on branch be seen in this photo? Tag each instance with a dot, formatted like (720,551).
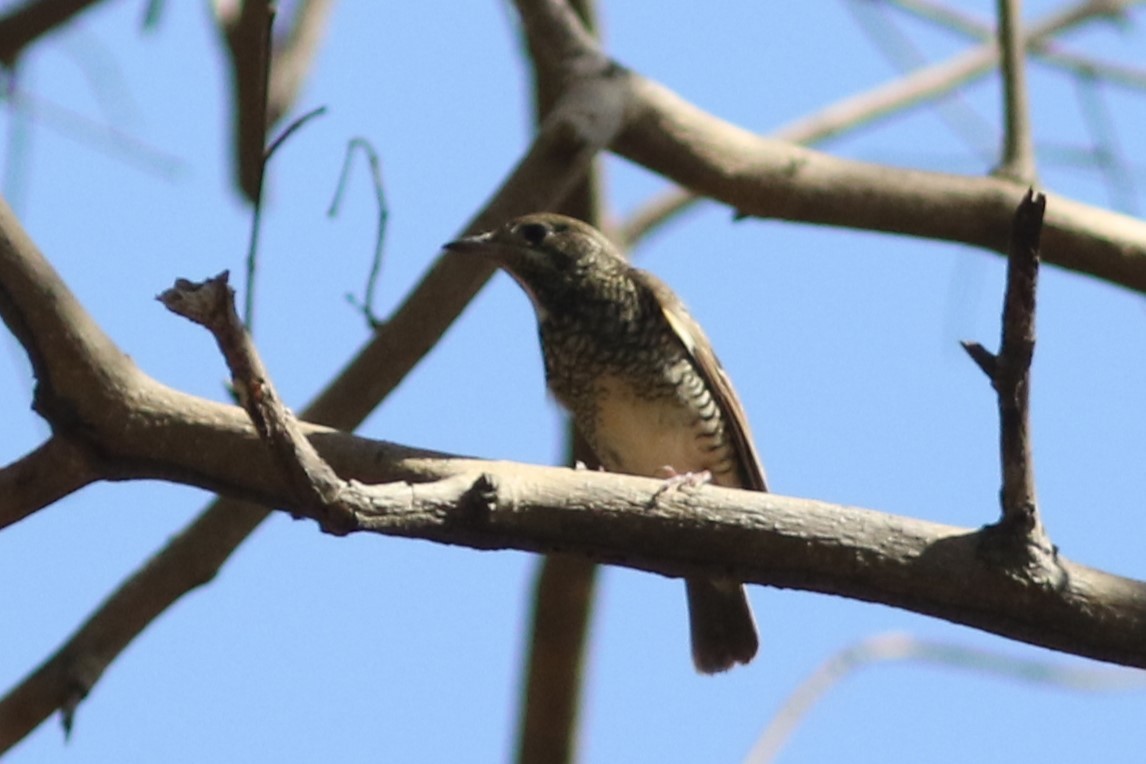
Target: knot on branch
(1017,547)
(482,498)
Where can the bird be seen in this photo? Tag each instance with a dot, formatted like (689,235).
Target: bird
(642,383)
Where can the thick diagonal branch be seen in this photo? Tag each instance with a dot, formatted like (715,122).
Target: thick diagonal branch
(31,20)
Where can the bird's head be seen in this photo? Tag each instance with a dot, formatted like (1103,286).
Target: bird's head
(559,261)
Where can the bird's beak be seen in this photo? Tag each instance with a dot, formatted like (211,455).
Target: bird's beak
(476,243)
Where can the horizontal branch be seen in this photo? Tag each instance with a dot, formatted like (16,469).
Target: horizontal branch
(763,538)
(920,87)
(766,178)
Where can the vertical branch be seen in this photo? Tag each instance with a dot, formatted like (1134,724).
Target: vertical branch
(562,606)
(248,37)
(1010,371)
(1013,368)
(267,74)
(565,585)
(1018,161)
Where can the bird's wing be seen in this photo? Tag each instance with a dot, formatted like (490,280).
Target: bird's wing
(695,341)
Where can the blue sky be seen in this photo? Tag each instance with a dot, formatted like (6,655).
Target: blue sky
(843,345)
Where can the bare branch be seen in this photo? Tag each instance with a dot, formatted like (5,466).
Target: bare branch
(189,560)
(211,304)
(267,74)
(248,37)
(760,538)
(1018,162)
(785,542)
(293,55)
(32,20)
(57,468)
(1044,49)
(919,88)
(69,353)
(982,357)
(578,127)
(771,179)
(257,212)
(1013,374)
(563,597)
(551,697)
(1009,372)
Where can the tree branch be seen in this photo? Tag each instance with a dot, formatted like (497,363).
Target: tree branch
(59,466)
(293,55)
(1018,162)
(211,304)
(32,20)
(849,113)
(1042,48)
(77,365)
(246,28)
(761,538)
(771,179)
(1010,375)
(267,73)
(563,593)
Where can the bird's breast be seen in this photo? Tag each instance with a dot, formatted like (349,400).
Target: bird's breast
(647,432)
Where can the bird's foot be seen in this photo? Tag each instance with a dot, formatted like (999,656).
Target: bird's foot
(681,481)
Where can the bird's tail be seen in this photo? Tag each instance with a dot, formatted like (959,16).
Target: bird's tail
(721,624)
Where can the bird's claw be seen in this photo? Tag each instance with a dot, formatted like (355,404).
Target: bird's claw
(681,481)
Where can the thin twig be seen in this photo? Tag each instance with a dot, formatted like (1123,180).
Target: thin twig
(257,215)
(211,304)
(1013,373)
(267,74)
(1009,372)
(884,648)
(954,110)
(363,145)
(1045,50)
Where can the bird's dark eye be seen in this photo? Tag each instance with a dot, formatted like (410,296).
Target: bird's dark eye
(534,233)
